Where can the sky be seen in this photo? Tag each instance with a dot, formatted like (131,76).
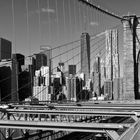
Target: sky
(122,7)
(30,24)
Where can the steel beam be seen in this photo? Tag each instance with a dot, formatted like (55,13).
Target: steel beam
(112,134)
(32,135)
(132,133)
(62,126)
(83,107)
(74,112)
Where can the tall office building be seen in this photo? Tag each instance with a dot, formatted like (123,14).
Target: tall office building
(102,71)
(20,60)
(40,60)
(118,89)
(41,84)
(112,66)
(5,80)
(5,70)
(21,80)
(14,80)
(108,85)
(48,53)
(97,77)
(68,85)
(72,69)
(5,49)
(85,55)
(73,86)
(115,54)
(112,55)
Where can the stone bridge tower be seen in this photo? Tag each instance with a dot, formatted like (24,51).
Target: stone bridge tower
(131,57)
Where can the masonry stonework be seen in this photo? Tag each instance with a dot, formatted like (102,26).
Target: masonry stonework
(130,70)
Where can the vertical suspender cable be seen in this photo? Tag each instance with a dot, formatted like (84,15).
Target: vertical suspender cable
(79,17)
(13,23)
(39,20)
(82,17)
(96,20)
(14,93)
(28,45)
(75,15)
(70,19)
(27,28)
(64,17)
(57,26)
(85,19)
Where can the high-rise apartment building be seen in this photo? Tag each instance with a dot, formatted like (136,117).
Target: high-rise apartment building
(85,55)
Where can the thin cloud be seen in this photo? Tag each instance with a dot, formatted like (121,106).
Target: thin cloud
(92,23)
(42,10)
(47,10)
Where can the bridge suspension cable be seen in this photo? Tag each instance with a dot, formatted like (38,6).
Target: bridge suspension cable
(101,10)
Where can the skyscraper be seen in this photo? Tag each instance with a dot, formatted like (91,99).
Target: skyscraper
(97,76)
(112,63)
(5,81)
(14,80)
(85,55)
(72,69)
(41,84)
(41,60)
(112,55)
(5,49)
(108,85)
(20,60)
(48,53)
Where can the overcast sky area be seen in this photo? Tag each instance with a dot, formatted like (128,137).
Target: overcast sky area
(32,23)
(122,7)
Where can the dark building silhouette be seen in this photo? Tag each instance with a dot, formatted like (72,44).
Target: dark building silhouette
(72,69)
(31,77)
(24,85)
(61,66)
(5,83)
(85,55)
(48,53)
(14,79)
(57,88)
(22,80)
(5,49)
(40,60)
(19,59)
